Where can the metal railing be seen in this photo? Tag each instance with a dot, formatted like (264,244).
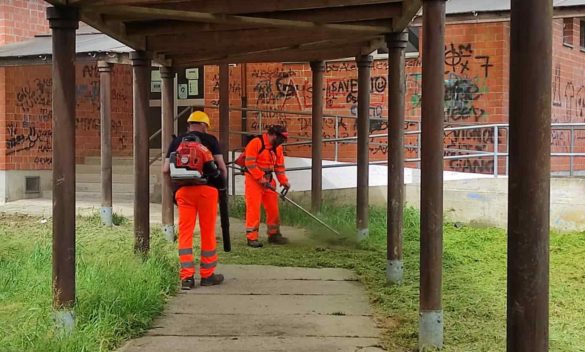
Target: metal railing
(155,134)
(478,148)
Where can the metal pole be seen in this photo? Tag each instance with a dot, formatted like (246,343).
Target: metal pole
(572,151)
(364,63)
(496,152)
(317,136)
(336,136)
(105,70)
(396,93)
(141,73)
(431,204)
(224,110)
(244,79)
(529,182)
(259,122)
(63,22)
(167,115)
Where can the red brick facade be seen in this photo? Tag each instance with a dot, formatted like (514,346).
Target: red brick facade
(476,92)
(27,118)
(22,19)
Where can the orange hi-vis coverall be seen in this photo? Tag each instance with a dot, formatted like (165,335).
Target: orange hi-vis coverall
(262,165)
(192,201)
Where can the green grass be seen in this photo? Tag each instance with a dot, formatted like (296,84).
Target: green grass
(118,293)
(474,277)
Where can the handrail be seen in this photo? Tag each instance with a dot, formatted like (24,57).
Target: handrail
(159,156)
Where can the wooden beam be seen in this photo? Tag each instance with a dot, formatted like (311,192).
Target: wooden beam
(158,14)
(136,43)
(245,38)
(409,10)
(172,43)
(154,28)
(282,55)
(274,48)
(247,6)
(338,14)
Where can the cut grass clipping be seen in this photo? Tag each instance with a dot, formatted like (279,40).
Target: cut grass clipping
(118,293)
(474,277)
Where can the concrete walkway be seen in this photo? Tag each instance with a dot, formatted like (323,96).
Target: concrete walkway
(265,308)
(257,308)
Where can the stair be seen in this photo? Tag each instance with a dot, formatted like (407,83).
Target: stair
(88,179)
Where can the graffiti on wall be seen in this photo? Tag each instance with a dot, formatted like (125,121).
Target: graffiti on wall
(465,84)
(569,97)
(462,142)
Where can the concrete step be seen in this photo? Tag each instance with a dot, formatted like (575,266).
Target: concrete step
(155,169)
(95,160)
(116,187)
(96,197)
(116,178)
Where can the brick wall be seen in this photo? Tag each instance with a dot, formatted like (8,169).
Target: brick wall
(568,91)
(27,119)
(22,19)
(475,93)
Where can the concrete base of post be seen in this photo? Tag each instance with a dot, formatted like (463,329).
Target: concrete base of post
(394,271)
(430,330)
(65,320)
(169,232)
(362,234)
(107,216)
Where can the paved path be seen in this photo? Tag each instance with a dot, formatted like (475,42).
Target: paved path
(266,308)
(258,308)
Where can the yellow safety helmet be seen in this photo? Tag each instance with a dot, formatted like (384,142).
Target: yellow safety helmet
(199,116)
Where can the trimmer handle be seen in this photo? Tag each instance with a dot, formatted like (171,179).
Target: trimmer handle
(284,192)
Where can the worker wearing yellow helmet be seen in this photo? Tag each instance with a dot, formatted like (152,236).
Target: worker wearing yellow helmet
(197,201)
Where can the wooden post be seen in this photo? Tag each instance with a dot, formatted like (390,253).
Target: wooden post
(364,63)
(167,115)
(224,110)
(317,136)
(431,228)
(105,70)
(63,22)
(396,92)
(141,78)
(529,182)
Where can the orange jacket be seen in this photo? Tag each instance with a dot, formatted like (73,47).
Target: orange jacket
(258,164)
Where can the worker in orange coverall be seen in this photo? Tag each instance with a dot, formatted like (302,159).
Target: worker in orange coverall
(264,159)
(201,201)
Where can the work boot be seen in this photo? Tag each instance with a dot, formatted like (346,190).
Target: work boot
(214,279)
(277,238)
(188,283)
(255,244)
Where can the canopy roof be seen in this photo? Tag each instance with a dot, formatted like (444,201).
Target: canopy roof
(196,32)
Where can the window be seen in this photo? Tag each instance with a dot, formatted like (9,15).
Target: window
(568,32)
(582,36)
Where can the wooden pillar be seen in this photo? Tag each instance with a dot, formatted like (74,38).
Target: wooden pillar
(141,78)
(317,67)
(63,22)
(167,122)
(364,63)
(431,228)
(529,178)
(396,92)
(105,70)
(224,110)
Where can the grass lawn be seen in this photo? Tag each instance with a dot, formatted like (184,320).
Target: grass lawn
(119,293)
(474,278)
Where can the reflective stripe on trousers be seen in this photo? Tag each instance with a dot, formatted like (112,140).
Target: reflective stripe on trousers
(193,202)
(257,195)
